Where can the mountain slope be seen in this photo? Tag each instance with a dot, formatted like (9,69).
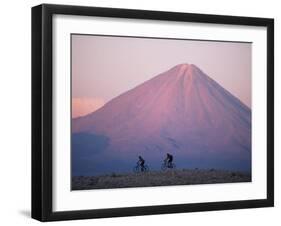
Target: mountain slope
(181,111)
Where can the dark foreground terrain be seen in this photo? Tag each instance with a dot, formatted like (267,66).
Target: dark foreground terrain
(159,178)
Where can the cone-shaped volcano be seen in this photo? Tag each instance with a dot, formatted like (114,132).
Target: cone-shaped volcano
(181,111)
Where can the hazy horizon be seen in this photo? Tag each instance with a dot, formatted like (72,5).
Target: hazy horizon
(104,67)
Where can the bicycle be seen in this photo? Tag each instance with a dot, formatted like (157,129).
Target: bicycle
(166,165)
(139,169)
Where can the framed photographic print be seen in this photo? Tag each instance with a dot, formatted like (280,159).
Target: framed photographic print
(145,112)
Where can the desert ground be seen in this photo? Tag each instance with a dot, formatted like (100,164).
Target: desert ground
(159,178)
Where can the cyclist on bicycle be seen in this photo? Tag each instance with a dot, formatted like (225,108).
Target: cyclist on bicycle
(141,163)
(169,160)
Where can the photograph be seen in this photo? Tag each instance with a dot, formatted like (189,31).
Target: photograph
(145,112)
(152,111)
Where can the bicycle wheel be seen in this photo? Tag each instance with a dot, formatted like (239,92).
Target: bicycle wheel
(136,169)
(163,166)
(146,168)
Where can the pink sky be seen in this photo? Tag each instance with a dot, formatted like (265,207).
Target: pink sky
(104,67)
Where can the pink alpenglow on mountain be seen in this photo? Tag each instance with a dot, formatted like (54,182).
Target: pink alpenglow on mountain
(181,111)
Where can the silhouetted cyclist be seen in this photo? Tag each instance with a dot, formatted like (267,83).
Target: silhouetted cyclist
(141,163)
(169,160)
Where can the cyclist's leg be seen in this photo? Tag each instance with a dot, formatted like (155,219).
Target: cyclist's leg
(171,164)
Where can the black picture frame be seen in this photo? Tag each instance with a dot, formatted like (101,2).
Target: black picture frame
(42,106)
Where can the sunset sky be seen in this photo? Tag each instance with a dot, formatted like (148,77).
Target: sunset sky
(104,67)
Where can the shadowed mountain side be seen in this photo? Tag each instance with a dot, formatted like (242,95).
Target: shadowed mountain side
(86,148)
(181,111)
(89,157)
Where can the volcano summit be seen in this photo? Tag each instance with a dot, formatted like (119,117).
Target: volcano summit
(181,111)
